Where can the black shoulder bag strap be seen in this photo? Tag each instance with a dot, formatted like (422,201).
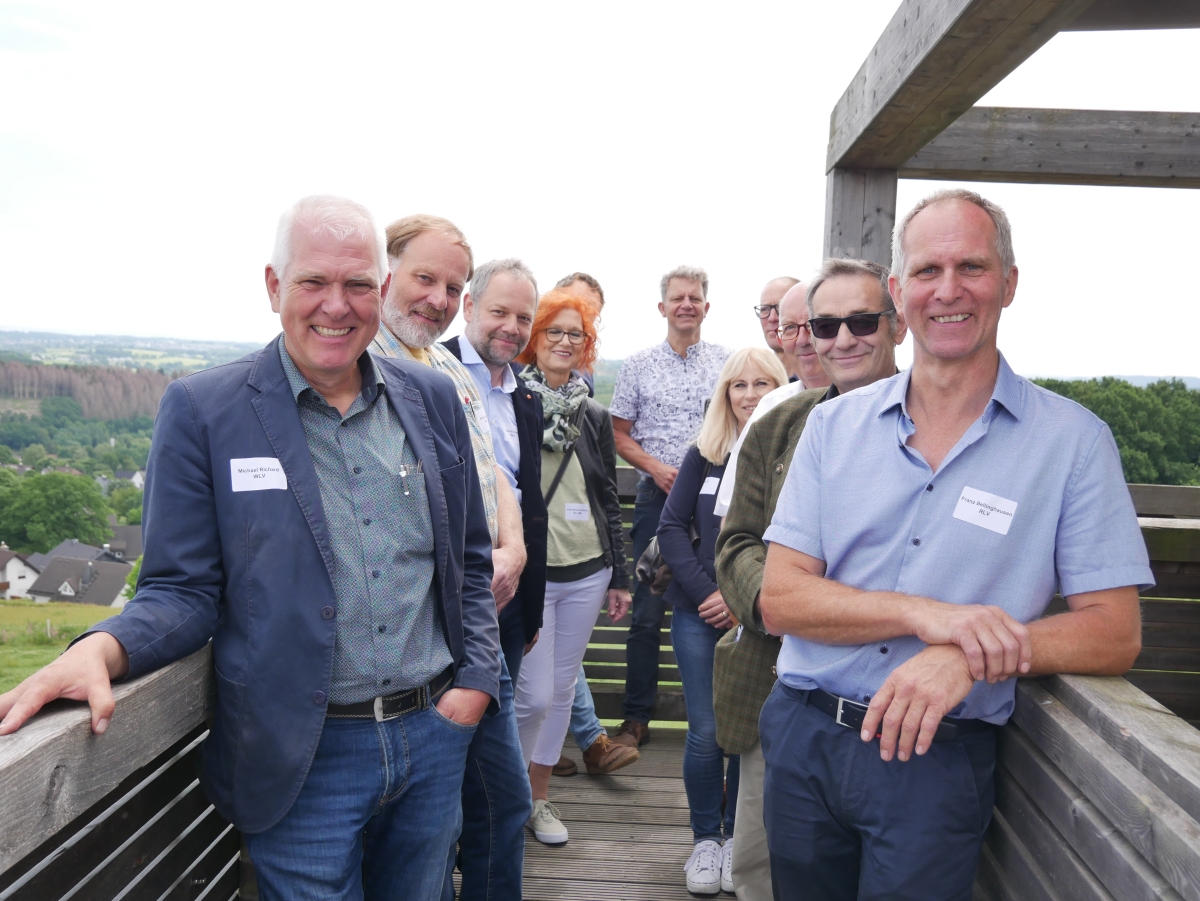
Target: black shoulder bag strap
(566,460)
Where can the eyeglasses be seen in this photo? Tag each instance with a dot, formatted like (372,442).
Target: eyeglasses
(554,335)
(860,324)
(765,311)
(791,330)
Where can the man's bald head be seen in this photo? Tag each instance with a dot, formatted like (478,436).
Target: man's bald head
(768,303)
(799,354)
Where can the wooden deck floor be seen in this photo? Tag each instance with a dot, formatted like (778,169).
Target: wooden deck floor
(629,831)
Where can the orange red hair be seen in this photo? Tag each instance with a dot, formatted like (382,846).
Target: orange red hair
(554,302)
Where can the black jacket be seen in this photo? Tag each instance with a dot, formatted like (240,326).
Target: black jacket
(531,592)
(597,455)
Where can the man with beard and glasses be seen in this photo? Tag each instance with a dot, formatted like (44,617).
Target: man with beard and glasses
(431,264)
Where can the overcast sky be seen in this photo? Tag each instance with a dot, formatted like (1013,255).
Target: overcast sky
(146,151)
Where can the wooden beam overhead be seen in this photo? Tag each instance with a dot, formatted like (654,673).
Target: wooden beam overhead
(934,59)
(860,212)
(1137,15)
(1064,147)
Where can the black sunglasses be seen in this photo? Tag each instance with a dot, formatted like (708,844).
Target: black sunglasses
(860,324)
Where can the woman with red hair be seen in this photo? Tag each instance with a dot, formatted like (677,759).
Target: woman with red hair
(585,552)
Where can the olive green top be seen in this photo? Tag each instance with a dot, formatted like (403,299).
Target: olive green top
(571,534)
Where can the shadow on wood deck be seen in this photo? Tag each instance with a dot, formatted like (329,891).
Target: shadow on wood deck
(629,831)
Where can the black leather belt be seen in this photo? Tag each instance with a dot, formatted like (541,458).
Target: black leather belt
(391,706)
(851,715)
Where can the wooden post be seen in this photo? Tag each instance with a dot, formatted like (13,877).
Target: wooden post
(860,211)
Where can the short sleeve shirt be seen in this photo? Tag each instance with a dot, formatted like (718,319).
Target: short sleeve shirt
(664,395)
(1031,500)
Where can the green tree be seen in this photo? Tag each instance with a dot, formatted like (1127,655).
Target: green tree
(34,455)
(6,455)
(43,510)
(131,580)
(126,501)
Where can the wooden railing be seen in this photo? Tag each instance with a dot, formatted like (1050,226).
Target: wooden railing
(1098,784)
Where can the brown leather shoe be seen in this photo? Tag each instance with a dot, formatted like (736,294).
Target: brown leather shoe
(565,766)
(605,755)
(632,734)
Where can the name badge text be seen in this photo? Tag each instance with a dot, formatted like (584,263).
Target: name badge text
(710,485)
(987,510)
(577,512)
(257,474)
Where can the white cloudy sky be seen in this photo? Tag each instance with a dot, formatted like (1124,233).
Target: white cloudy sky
(146,150)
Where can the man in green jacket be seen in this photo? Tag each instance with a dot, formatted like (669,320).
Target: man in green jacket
(744,666)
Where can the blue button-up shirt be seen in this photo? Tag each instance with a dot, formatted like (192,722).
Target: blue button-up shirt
(860,499)
(389,636)
(498,404)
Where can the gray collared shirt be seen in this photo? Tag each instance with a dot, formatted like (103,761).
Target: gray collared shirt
(381,537)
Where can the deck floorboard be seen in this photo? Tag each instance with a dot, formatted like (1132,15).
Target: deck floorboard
(629,831)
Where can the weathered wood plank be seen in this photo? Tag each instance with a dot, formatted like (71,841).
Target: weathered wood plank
(1064,147)
(1130,15)
(1021,872)
(1059,867)
(54,769)
(1172,539)
(1163,748)
(1182,612)
(1116,863)
(1158,827)
(860,212)
(1166,500)
(934,59)
(668,705)
(1171,659)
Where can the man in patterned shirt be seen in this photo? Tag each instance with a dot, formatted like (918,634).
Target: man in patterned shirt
(657,409)
(431,263)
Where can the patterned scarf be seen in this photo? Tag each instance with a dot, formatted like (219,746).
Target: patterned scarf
(559,406)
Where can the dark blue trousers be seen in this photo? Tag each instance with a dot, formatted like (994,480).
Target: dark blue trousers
(495,792)
(842,824)
(645,626)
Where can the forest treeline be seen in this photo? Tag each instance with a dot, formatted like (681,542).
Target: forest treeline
(103,392)
(1157,427)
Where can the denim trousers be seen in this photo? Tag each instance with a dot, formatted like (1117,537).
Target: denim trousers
(496,800)
(585,725)
(375,815)
(704,774)
(843,824)
(642,645)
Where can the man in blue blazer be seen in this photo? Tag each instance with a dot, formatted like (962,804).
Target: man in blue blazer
(315,512)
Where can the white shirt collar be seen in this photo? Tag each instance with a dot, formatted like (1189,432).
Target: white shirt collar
(470,357)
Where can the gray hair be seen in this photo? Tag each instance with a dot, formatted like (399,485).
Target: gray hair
(336,217)
(487,271)
(691,273)
(836,266)
(1003,245)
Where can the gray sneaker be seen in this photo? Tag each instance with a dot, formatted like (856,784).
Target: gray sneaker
(727,866)
(546,825)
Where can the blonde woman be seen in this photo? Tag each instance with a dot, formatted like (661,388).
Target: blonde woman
(687,537)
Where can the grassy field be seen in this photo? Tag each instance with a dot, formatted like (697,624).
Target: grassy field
(25,645)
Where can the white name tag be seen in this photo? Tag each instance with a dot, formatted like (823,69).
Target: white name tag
(257,474)
(577,512)
(988,510)
(711,484)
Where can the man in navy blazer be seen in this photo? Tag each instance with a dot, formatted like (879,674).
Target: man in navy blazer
(352,663)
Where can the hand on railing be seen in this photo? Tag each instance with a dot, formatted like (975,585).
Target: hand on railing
(84,672)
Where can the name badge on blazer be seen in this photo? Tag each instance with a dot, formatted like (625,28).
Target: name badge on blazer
(257,474)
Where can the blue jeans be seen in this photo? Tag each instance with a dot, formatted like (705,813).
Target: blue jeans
(843,824)
(375,815)
(641,648)
(704,777)
(496,800)
(585,725)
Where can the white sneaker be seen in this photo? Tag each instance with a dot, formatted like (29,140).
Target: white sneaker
(703,868)
(727,866)
(546,825)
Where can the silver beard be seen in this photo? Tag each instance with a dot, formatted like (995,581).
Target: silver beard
(411,332)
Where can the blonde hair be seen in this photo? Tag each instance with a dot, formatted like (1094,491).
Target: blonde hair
(720,430)
(402,231)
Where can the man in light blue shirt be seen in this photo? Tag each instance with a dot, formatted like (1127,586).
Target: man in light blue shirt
(926,523)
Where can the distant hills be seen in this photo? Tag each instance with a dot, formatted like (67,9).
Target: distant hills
(124,351)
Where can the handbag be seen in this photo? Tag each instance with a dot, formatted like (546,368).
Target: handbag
(651,571)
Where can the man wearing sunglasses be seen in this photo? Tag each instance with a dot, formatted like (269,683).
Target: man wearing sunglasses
(925,524)
(742,670)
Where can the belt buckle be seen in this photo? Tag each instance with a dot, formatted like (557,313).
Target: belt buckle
(838,717)
(379,717)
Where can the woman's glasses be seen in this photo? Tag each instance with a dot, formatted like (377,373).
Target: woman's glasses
(554,335)
(860,324)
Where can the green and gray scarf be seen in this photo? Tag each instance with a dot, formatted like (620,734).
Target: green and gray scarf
(559,406)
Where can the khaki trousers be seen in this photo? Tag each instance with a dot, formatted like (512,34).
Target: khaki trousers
(751,863)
